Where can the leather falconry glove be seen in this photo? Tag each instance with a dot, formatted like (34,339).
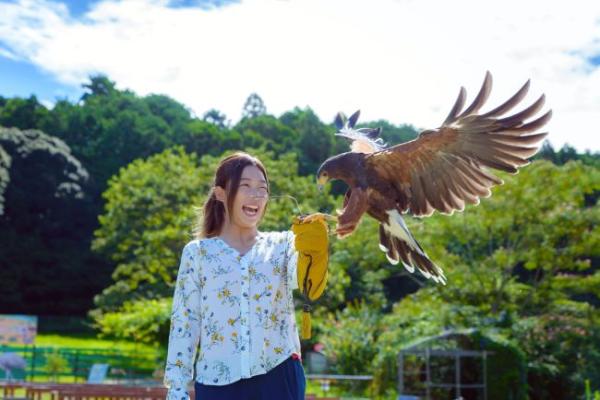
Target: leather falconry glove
(312,243)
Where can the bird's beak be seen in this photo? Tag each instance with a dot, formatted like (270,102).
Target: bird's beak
(321,181)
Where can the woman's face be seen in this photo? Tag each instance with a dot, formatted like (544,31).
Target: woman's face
(251,198)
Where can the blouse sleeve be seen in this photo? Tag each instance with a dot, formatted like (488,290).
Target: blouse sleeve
(185,329)
(292,260)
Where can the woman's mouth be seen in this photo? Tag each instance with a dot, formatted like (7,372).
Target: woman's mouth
(250,211)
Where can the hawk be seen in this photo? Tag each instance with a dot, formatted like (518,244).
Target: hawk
(442,169)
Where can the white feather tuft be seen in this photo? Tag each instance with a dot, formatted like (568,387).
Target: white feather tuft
(361,143)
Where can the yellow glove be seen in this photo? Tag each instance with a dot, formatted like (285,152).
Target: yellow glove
(312,243)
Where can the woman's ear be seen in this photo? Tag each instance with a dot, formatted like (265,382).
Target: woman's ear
(220,194)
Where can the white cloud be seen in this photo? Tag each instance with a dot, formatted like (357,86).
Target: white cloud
(401,60)
(8,54)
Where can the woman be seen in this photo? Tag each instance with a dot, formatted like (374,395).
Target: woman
(233,328)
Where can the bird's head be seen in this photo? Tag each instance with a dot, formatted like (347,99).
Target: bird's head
(323,175)
(345,166)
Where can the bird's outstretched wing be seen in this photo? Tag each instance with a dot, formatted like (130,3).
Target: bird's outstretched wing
(445,168)
(363,140)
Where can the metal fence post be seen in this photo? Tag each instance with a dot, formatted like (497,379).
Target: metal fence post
(457,376)
(33,352)
(76,366)
(484,375)
(428,382)
(400,373)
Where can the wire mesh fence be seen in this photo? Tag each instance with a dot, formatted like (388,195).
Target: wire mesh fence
(72,364)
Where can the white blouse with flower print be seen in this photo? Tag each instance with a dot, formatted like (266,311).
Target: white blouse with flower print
(233,315)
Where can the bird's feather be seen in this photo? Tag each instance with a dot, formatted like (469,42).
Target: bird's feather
(362,140)
(448,166)
(443,169)
(400,246)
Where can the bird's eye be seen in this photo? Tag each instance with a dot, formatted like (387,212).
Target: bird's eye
(324,173)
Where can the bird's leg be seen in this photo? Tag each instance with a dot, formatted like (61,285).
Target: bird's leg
(355,206)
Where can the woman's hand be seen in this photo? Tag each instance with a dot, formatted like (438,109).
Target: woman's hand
(312,243)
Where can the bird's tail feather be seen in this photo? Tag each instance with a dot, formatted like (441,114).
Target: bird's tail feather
(400,245)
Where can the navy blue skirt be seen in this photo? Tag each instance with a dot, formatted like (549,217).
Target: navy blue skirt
(284,382)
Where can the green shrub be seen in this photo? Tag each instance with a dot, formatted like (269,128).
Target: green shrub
(55,364)
(562,352)
(144,321)
(350,338)
(425,314)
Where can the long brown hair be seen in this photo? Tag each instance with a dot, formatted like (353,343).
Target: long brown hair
(229,172)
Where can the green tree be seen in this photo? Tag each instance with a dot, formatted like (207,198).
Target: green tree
(22,113)
(217,118)
(315,139)
(46,206)
(392,134)
(149,217)
(567,153)
(99,85)
(254,107)
(522,264)
(56,364)
(267,131)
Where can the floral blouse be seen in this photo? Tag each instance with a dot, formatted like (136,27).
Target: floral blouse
(233,315)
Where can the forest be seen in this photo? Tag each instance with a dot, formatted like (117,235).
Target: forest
(98,197)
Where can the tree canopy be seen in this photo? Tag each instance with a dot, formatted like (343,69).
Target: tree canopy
(109,186)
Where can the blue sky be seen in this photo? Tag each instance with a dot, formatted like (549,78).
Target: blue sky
(22,79)
(78,8)
(400,60)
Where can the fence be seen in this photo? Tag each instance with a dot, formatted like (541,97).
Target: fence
(124,365)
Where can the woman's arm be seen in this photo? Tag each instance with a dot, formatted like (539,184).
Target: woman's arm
(291,260)
(185,328)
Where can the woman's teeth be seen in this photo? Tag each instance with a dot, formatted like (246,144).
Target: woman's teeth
(250,211)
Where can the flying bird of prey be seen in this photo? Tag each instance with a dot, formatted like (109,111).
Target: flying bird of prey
(442,169)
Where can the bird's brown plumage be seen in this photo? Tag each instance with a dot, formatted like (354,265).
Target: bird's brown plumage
(442,169)
(445,168)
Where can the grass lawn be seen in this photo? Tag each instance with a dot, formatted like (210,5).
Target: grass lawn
(88,341)
(82,350)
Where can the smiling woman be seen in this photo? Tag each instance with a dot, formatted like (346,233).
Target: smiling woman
(233,327)
(237,202)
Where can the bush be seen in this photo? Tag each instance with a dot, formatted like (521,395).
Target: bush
(562,351)
(425,314)
(55,364)
(146,321)
(350,338)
